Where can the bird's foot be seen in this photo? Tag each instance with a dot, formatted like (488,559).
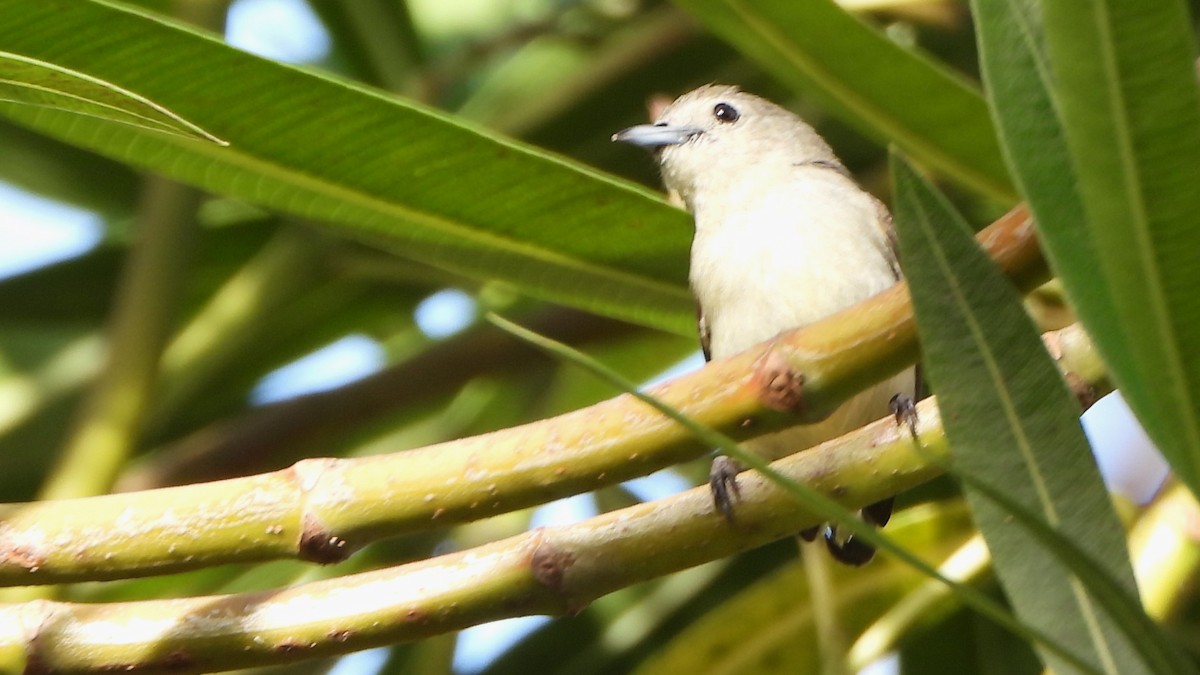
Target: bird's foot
(905,410)
(722,480)
(849,549)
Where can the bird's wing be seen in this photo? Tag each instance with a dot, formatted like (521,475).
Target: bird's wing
(883,217)
(892,251)
(705,336)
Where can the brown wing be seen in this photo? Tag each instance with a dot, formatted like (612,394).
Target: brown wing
(884,220)
(893,256)
(705,338)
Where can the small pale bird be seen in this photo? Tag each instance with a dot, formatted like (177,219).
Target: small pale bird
(784,238)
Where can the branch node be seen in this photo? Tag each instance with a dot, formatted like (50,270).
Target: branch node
(550,564)
(779,386)
(319,545)
(307,472)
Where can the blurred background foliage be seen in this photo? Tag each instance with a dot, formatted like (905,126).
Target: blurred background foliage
(258,286)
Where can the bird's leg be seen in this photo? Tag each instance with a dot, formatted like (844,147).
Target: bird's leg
(722,480)
(850,550)
(905,411)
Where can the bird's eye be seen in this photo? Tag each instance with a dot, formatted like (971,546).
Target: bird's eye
(725,112)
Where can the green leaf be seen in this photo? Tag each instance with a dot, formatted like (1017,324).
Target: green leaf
(38,83)
(1020,92)
(1125,85)
(868,80)
(1161,655)
(1014,429)
(387,172)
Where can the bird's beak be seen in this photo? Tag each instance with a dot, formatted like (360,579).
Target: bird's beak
(655,135)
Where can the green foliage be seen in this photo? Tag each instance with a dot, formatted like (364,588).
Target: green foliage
(389,172)
(1013,427)
(1100,147)
(38,83)
(469,149)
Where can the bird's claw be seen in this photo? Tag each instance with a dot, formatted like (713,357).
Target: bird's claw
(905,410)
(722,480)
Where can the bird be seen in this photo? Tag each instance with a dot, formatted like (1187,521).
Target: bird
(784,237)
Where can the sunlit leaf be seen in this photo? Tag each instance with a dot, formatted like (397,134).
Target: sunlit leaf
(40,83)
(391,173)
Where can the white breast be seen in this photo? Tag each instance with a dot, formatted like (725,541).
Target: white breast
(766,261)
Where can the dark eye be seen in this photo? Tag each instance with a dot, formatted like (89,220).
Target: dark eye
(725,112)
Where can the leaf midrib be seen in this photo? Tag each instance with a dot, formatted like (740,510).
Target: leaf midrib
(1012,417)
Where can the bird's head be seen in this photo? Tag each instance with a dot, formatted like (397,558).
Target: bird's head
(718,133)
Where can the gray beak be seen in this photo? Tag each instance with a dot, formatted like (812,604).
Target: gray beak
(656,135)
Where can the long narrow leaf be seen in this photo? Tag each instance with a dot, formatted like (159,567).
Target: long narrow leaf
(391,173)
(1125,86)
(1013,423)
(1160,655)
(1020,86)
(38,83)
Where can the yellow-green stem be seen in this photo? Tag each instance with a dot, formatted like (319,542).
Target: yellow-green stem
(109,423)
